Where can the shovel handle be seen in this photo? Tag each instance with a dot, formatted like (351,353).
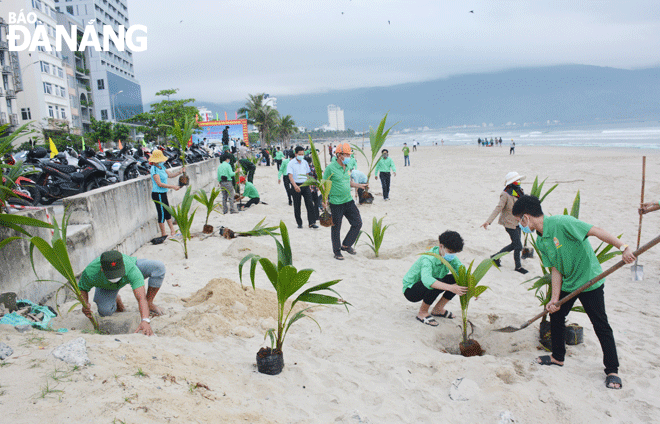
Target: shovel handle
(639,232)
(596,279)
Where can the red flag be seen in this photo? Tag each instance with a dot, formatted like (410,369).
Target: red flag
(236,114)
(119,145)
(225,116)
(190,141)
(100,148)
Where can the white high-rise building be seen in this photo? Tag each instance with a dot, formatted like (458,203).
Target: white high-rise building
(336,118)
(116,91)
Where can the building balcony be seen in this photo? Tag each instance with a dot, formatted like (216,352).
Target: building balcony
(6,69)
(11,94)
(3,118)
(13,120)
(4,45)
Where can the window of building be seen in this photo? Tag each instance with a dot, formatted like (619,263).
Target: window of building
(5,82)
(51,111)
(25,114)
(101,84)
(36,4)
(69,10)
(48,88)
(9,108)
(60,72)
(45,67)
(63,113)
(104,114)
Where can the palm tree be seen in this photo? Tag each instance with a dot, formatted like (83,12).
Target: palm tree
(260,115)
(285,128)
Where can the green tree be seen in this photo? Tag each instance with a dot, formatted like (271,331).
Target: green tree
(261,115)
(160,119)
(286,127)
(121,132)
(101,130)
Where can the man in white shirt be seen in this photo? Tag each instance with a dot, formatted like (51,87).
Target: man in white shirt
(297,171)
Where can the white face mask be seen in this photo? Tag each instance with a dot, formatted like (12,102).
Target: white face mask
(114,280)
(299,158)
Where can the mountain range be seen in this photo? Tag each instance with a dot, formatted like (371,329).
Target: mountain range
(565,93)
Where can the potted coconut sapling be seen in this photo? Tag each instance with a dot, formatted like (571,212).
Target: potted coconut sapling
(465,277)
(210,203)
(182,135)
(376,140)
(287,281)
(322,184)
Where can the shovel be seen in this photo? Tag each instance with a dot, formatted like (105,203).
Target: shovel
(638,270)
(590,283)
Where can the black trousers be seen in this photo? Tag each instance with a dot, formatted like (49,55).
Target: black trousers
(385,183)
(278,162)
(249,168)
(420,292)
(352,214)
(594,305)
(305,193)
(516,245)
(287,187)
(360,191)
(252,201)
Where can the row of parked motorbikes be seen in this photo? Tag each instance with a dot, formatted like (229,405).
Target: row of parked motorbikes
(70,173)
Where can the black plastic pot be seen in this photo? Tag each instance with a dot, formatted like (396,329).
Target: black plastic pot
(574,334)
(270,361)
(544,335)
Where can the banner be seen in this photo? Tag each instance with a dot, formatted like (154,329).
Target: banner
(212,131)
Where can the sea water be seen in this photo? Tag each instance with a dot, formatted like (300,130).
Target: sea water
(621,135)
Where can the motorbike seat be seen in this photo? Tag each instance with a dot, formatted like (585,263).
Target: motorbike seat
(67,169)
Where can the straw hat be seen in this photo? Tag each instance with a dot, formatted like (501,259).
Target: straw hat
(512,177)
(344,148)
(157,156)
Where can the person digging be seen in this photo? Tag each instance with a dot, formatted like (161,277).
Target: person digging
(113,270)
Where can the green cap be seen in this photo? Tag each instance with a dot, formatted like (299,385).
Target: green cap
(112,264)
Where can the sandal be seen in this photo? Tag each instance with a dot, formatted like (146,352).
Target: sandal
(611,380)
(349,250)
(429,320)
(447,315)
(339,257)
(546,360)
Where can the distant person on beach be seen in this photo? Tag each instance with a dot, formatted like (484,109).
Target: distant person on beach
(283,176)
(226,178)
(512,149)
(225,136)
(297,171)
(383,168)
(111,271)
(279,156)
(442,142)
(429,276)
(159,188)
(406,153)
(414,146)
(649,207)
(512,192)
(564,248)
(341,202)
(248,168)
(266,156)
(249,191)
(359,177)
(243,151)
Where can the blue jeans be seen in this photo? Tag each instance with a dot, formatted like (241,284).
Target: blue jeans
(406,161)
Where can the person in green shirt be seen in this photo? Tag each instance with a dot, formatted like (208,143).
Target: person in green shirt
(282,173)
(352,163)
(406,152)
(111,271)
(226,176)
(249,191)
(429,276)
(341,202)
(383,167)
(564,248)
(279,156)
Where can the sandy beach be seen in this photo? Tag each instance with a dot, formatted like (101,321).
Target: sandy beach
(376,363)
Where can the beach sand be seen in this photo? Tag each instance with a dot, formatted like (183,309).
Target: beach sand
(376,363)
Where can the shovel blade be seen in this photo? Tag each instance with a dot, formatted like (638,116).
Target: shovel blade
(508,329)
(637,272)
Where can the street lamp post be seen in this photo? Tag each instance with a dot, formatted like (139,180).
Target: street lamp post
(112,104)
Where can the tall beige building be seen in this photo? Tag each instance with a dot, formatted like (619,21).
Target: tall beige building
(336,118)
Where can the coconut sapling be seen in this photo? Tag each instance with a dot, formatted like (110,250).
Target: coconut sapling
(324,185)
(209,202)
(376,140)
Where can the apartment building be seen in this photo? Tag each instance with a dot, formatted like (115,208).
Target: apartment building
(336,118)
(11,80)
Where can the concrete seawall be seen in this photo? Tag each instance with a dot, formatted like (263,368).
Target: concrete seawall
(121,216)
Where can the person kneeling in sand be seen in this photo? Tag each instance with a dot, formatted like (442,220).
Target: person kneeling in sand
(428,277)
(564,248)
(249,191)
(113,270)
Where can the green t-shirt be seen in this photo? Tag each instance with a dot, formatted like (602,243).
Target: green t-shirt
(285,163)
(384,165)
(93,276)
(428,270)
(564,245)
(279,155)
(406,151)
(340,192)
(250,190)
(225,170)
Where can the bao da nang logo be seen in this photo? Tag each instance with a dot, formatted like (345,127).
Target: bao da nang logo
(19,36)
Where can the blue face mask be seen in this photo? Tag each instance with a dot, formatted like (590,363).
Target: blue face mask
(449,257)
(526,229)
(346,161)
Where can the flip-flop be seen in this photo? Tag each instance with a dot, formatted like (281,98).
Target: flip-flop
(447,315)
(547,360)
(349,250)
(429,320)
(613,379)
(339,257)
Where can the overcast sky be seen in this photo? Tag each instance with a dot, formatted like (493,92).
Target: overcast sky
(224,50)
